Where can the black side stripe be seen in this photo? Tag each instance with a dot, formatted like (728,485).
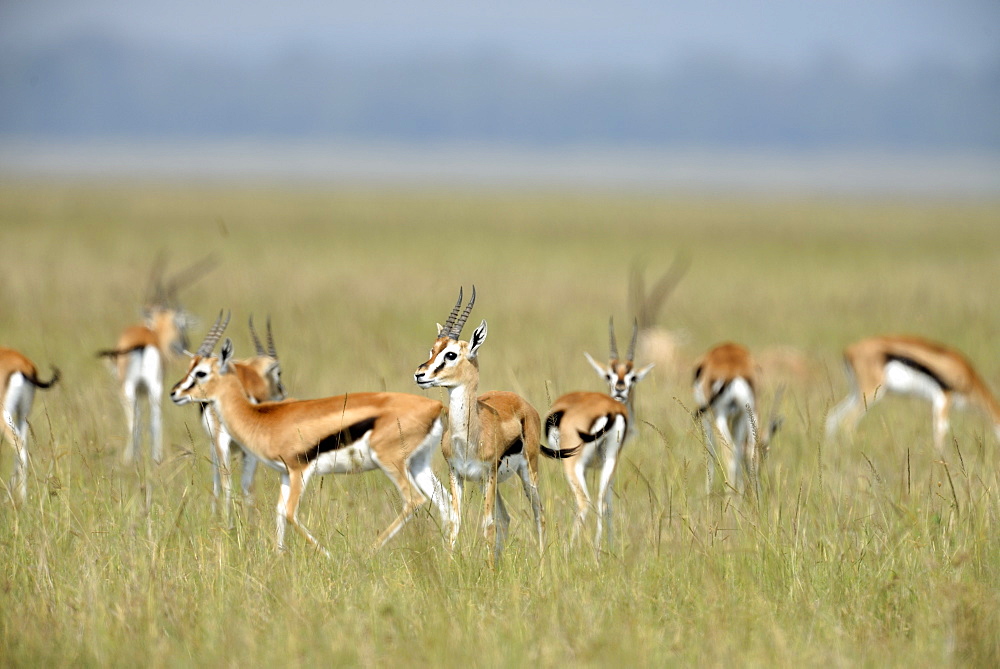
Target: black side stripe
(552,421)
(918,367)
(514,448)
(338,440)
(588,437)
(711,400)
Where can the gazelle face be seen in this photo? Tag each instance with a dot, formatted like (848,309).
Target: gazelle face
(620,376)
(452,362)
(194,387)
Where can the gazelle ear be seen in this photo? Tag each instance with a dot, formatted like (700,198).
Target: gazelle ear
(440,328)
(226,355)
(478,337)
(601,370)
(641,374)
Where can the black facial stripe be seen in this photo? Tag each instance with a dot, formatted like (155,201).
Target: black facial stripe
(338,440)
(918,367)
(438,369)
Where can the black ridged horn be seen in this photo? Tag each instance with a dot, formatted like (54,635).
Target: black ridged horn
(448,324)
(456,331)
(256,340)
(214,333)
(635,335)
(613,355)
(271,350)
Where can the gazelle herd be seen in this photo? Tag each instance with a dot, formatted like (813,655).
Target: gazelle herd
(486,437)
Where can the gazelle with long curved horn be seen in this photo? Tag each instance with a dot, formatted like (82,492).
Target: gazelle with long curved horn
(143,350)
(586,430)
(18,381)
(393,432)
(907,365)
(260,377)
(490,437)
(725,389)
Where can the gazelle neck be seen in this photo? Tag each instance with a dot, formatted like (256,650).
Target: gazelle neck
(234,408)
(463,413)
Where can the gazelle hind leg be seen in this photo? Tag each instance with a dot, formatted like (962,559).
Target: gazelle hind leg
(18,483)
(431,488)
(412,500)
(576,477)
(605,492)
(502,525)
(529,483)
(250,463)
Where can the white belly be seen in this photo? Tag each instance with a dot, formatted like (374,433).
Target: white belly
(903,379)
(471,468)
(356,458)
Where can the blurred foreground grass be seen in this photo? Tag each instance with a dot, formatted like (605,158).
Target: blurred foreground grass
(868,551)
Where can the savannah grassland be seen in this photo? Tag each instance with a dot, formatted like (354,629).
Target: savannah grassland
(870,551)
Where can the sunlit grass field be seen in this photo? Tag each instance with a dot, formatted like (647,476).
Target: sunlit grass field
(869,551)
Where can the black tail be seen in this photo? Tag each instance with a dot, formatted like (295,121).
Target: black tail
(552,422)
(45,385)
(559,454)
(115,352)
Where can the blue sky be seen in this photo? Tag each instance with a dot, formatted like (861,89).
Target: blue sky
(874,34)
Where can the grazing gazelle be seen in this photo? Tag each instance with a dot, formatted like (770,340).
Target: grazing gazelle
(725,385)
(657,343)
(906,365)
(587,430)
(260,377)
(490,436)
(143,350)
(18,380)
(394,432)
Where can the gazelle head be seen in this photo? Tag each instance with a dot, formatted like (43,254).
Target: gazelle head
(266,362)
(620,375)
(453,362)
(200,382)
(162,309)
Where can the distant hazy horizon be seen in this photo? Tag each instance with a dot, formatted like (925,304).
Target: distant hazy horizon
(823,173)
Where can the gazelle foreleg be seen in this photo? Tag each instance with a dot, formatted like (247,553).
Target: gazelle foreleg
(940,405)
(293,484)
(457,484)
(489,521)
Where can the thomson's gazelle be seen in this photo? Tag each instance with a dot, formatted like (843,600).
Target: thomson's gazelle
(725,386)
(18,381)
(143,350)
(260,377)
(587,430)
(906,365)
(490,437)
(393,432)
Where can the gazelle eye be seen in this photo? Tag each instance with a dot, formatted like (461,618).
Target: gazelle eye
(450,355)
(200,374)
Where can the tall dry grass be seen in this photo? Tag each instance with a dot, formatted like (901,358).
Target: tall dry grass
(872,550)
